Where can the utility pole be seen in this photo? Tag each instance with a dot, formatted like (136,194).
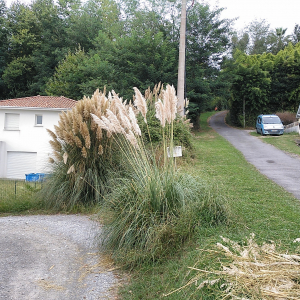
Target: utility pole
(181,63)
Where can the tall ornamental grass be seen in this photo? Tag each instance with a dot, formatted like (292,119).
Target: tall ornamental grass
(83,155)
(155,208)
(152,131)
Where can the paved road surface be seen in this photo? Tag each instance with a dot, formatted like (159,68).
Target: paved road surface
(275,164)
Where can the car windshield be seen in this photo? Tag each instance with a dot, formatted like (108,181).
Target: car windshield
(271,120)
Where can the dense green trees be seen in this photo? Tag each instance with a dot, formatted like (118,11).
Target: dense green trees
(258,38)
(264,83)
(71,48)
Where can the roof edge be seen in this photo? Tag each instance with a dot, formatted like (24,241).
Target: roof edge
(36,108)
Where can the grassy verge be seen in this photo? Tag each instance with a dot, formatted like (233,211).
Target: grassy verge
(287,142)
(257,205)
(21,198)
(17,196)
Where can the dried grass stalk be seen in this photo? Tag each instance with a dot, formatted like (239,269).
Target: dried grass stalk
(258,272)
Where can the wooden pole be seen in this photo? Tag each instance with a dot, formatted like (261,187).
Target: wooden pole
(181,62)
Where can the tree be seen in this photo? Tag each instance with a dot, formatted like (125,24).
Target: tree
(296,34)
(18,76)
(250,87)
(85,23)
(285,76)
(24,31)
(208,39)
(258,32)
(3,47)
(80,74)
(240,42)
(277,40)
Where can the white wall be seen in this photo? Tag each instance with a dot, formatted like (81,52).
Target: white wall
(29,138)
(2,159)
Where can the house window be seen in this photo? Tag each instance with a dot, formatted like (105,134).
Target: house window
(11,121)
(38,120)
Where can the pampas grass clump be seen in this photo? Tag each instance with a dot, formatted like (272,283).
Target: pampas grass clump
(154,209)
(156,130)
(83,155)
(152,218)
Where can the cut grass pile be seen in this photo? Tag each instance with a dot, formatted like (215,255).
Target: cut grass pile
(254,272)
(257,204)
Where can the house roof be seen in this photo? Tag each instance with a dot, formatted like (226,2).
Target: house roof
(39,102)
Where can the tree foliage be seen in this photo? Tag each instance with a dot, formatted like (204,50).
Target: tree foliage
(264,83)
(71,48)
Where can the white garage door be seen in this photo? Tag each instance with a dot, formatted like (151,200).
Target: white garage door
(20,163)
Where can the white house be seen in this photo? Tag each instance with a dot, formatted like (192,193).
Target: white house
(24,141)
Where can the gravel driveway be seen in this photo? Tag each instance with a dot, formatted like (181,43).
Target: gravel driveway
(53,257)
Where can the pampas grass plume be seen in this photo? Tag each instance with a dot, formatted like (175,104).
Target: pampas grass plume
(160,113)
(83,152)
(52,134)
(115,123)
(134,123)
(131,138)
(78,142)
(56,146)
(65,157)
(99,134)
(71,170)
(100,122)
(140,103)
(100,150)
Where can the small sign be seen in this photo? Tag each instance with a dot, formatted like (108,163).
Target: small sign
(177,151)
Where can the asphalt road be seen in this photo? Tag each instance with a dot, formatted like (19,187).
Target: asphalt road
(280,167)
(53,258)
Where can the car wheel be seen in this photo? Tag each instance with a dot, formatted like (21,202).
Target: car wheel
(261,132)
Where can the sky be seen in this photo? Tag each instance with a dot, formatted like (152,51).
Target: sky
(278,13)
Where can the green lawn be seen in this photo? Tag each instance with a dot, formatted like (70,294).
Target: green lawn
(18,196)
(287,142)
(257,206)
